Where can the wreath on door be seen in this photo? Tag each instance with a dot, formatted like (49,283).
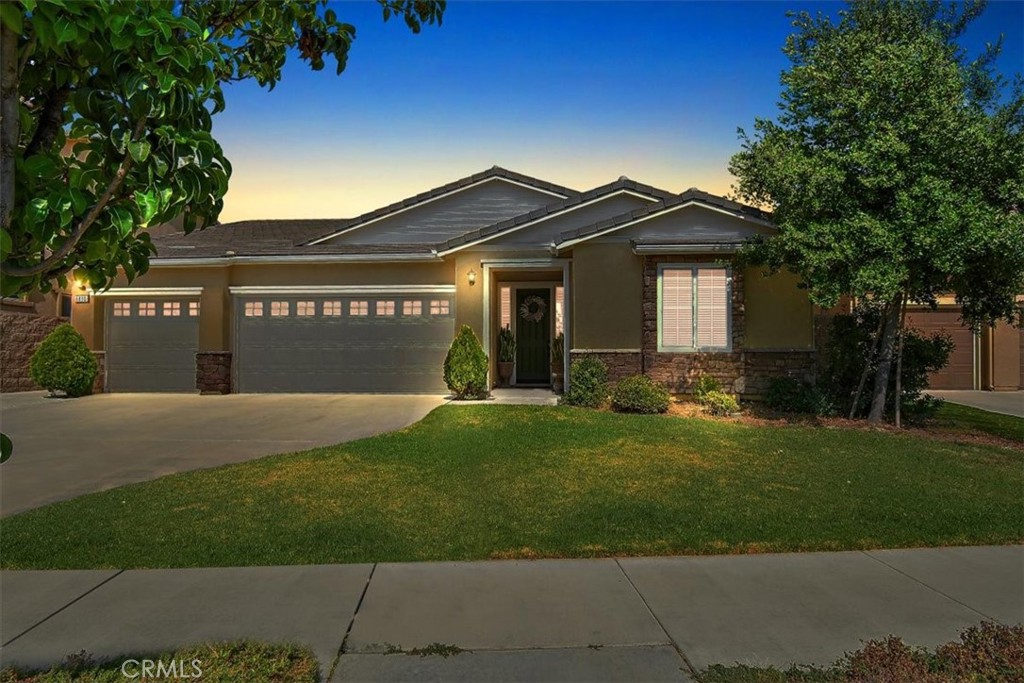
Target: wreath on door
(533,309)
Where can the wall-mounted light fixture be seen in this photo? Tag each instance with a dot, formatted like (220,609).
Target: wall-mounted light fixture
(471,276)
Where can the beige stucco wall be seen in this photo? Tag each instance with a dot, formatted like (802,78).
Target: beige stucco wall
(469,309)
(778,314)
(215,319)
(607,289)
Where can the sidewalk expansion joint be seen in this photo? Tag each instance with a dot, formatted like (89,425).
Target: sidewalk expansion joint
(351,623)
(929,587)
(679,651)
(61,609)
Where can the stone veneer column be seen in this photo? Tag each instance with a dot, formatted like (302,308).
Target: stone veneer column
(213,372)
(99,385)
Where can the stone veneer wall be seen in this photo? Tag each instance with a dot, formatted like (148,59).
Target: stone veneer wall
(20,334)
(741,371)
(213,372)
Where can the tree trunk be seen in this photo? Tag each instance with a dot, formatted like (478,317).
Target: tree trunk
(884,369)
(867,368)
(899,361)
(9,123)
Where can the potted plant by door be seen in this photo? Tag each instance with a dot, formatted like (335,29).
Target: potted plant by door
(506,355)
(557,363)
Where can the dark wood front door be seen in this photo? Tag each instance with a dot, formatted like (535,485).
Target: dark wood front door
(533,336)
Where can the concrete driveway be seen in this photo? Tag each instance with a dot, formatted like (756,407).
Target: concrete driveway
(1005,402)
(65,448)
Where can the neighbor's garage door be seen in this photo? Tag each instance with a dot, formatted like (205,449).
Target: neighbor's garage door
(151,344)
(959,373)
(369,343)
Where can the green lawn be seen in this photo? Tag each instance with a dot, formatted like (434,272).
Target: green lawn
(474,482)
(218,663)
(966,420)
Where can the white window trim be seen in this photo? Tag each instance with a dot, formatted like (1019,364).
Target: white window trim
(662,348)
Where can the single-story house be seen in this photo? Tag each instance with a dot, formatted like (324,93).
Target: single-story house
(637,276)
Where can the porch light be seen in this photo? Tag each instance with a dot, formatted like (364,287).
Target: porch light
(471,276)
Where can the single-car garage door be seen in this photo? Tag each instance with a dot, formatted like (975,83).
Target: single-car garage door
(151,344)
(374,342)
(959,373)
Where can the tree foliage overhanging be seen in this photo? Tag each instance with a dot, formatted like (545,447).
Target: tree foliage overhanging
(106,118)
(896,162)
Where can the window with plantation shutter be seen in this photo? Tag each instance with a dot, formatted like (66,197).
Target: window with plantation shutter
(677,307)
(694,308)
(712,308)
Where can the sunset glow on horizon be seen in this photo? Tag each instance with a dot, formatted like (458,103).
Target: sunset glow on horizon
(572,93)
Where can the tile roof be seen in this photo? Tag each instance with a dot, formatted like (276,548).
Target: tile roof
(492,172)
(267,238)
(691,195)
(623,183)
(296,237)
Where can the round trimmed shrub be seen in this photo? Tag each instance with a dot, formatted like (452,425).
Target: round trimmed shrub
(720,403)
(588,383)
(465,366)
(63,363)
(640,394)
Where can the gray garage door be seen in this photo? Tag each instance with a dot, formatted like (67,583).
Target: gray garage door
(369,343)
(151,344)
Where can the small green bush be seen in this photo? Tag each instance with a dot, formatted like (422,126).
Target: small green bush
(703,386)
(465,366)
(588,383)
(63,363)
(789,395)
(639,394)
(506,345)
(720,403)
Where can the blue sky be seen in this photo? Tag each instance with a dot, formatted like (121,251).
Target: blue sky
(578,93)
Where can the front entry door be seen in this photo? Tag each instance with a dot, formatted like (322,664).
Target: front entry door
(533,336)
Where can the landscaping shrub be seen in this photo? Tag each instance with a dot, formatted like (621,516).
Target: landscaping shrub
(588,383)
(640,394)
(465,366)
(850,339)
(720,403)
(789,395)
(63,363)
(993,653)
(703,386)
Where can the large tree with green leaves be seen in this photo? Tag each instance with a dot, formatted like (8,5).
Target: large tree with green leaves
(106,118)
(895,167)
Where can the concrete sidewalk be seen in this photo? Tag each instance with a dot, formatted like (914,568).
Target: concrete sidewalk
(656,619)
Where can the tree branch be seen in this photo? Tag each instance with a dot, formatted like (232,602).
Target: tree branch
(50,121)
(76,235)
(29,48)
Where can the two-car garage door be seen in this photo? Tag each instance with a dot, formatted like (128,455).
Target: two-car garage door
(345,342)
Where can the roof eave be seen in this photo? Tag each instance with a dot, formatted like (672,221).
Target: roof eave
(298,258)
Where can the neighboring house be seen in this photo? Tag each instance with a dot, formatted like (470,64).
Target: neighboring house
(991,359)
(639,277)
